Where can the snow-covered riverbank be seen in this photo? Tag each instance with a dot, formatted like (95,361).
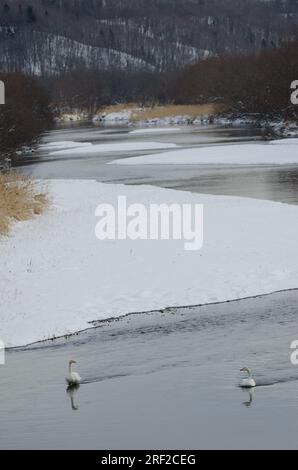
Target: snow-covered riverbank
(187,116)
(56,277)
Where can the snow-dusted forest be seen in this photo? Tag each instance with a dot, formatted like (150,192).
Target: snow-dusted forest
(52,36)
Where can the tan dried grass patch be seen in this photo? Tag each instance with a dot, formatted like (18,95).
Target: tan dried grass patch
(20,199)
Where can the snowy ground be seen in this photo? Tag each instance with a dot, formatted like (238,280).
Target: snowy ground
(292,141)
(57,277)
(72,117)
(279,152)
(126,116)
(115,117)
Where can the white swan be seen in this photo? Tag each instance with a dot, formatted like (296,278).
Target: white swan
(249,381)
(73,378)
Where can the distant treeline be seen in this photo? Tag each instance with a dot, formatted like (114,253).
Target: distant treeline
(25,114)
(258,84)
(89,90)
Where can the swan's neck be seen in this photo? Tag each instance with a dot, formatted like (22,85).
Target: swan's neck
(70,368)
(249,374)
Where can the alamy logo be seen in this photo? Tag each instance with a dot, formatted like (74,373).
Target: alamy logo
(2,353)
(294,94)
(152,222)
(2,92)
(294,355)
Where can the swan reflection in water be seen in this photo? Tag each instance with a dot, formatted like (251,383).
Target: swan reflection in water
(250,393)
(72,392)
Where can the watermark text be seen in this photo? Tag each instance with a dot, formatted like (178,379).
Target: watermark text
(294,94)
(153,222)
(2,92)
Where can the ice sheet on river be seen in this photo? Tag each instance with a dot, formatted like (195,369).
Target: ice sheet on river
(116,147)
(273,153)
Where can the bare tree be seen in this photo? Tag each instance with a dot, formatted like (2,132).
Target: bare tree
(24,116)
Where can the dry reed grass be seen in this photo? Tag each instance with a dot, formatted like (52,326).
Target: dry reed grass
(20,199)
(160,112)
(139,113)
(118,108)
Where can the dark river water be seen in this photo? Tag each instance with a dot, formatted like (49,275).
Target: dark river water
(267,182)
(162,380)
